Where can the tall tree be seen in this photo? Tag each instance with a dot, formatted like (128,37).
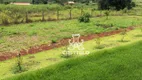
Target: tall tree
(1,1)
(117,4)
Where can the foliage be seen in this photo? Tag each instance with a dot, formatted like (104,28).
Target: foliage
(18,68)
(54,41)
(85,18)
(107,14)
(39,1)
(123,33)
(98,42)
(67,53)
(4,15)
(117,4)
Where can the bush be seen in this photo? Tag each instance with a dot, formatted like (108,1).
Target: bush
(85,18)
(18,68)
(67,53)
(98,42)
(123,33)
(107,14)
(116,4)
(4,15)
(54,41)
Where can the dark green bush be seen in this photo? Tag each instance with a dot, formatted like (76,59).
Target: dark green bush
(54,41)
(85,18)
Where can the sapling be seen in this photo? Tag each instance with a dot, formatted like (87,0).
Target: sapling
(66,53)
(107,14)
(19,63)
(123,33)
(98,42)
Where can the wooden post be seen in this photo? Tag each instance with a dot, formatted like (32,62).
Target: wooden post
(43,19)
(70,13)
(81,11)
(91,12)
(27,17)
(57,14)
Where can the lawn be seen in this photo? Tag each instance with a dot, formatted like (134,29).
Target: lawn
(43,59)
(121,63)
(13,38)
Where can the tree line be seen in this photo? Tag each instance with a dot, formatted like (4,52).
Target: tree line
(102,4)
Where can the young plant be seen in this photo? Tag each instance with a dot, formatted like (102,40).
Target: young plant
(66,53)
(123,33)
(98,42)
(85,18)
(19,66)
(107,14)
(54,41)
(141,28)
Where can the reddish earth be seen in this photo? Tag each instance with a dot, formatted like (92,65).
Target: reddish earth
(44,47)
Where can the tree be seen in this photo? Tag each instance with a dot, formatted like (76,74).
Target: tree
(117,4)
(39,1)
(1,1)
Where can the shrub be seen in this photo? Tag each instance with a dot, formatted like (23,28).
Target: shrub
(98,42)
(4,15)
(85,18)
(67,54)
(18,68)
(107,14)
(54,41)
(123,33)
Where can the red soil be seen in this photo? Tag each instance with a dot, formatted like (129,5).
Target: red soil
(44,47)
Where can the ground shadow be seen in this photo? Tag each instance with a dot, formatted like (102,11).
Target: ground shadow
(124,41)
(139,35)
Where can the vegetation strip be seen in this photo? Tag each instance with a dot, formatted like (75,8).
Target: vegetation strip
(105,65)
(36,49)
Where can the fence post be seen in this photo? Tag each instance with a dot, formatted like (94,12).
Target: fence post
(81,11)
(70,13)
(27,17)
(100,12)
(91,12)
(43,19)
(57,14)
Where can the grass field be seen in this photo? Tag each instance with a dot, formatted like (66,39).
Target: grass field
(110,58)
(23,36)
(121,63)
(48,58)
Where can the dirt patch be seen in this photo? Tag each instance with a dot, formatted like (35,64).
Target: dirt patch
(63,42)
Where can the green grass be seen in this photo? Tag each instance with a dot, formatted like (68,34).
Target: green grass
(50,57)
(23,36)
(121,63)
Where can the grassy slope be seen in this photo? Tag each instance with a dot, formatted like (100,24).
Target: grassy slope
(50,57)
(122,63)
